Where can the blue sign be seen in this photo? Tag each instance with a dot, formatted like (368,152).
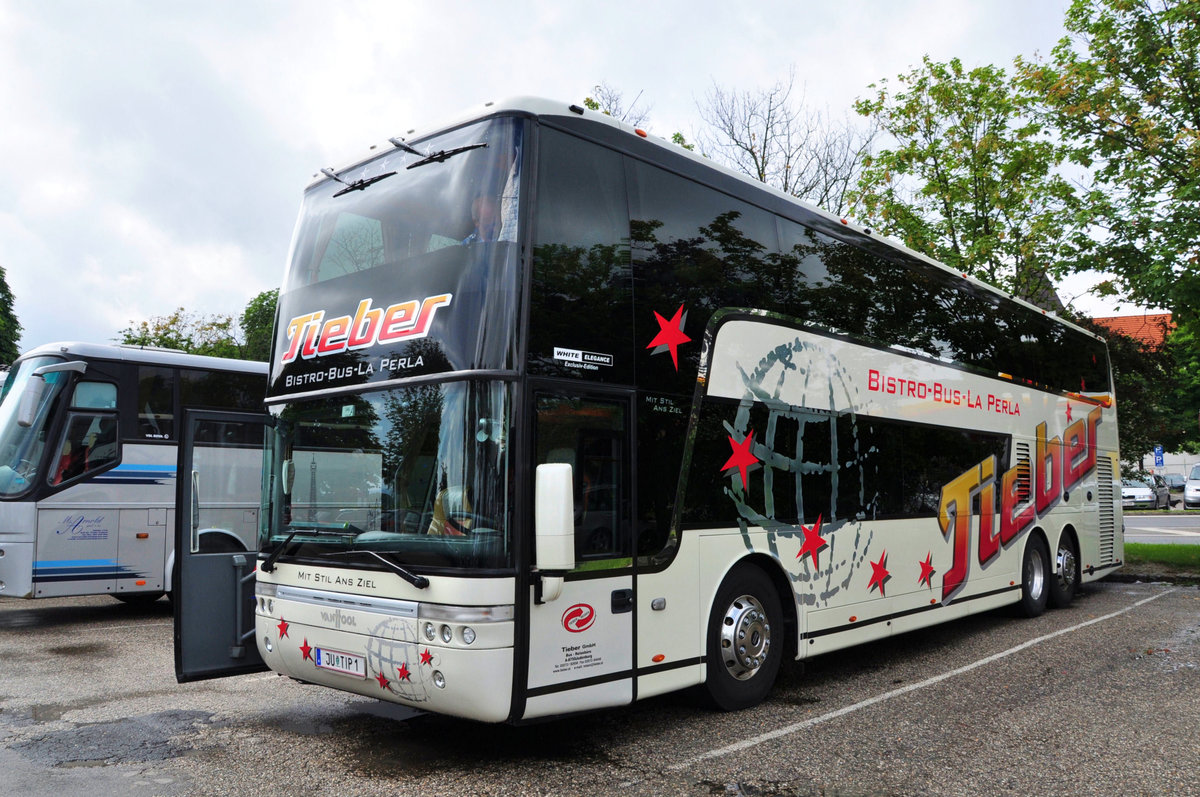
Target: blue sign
(1158,456)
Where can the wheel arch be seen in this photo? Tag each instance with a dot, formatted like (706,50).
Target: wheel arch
(1068,531)
(771,567)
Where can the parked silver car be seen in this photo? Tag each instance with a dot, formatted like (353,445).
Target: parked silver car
(1148,492)
(1191,490)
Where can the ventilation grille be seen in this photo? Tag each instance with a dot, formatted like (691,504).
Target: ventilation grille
(1108,511)
(1024,474)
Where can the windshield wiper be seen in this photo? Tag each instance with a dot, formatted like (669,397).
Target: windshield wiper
(269,565)
(357,185)
(420,582)
(441,156)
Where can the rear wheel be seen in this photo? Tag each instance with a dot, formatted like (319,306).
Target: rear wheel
(1035,572)
(1064,582)
(745,640)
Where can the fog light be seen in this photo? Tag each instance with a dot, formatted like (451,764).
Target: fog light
(267,644)
(468,635)
(430,632)
(439,680)
(270,606)
(447,634)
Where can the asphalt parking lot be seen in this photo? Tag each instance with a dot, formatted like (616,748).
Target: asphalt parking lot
(1102,697)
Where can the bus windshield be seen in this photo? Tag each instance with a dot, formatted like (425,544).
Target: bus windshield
(405,265)
(21,447)
(417,475)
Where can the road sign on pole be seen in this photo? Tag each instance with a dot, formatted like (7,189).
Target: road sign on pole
(1158,456)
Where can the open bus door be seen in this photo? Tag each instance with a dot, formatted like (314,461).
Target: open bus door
(218,501)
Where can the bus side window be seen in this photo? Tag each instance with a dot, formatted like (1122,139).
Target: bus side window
(156,403)
(89,443)
(590,436)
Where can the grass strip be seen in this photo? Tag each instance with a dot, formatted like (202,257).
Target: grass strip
(1184,556)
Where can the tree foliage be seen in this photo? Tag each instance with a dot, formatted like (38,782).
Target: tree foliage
(1124,89)
(257,323)
(214,335)
(770,135)
(970,178)
(10,328)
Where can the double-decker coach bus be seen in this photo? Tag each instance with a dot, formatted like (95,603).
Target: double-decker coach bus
(88,438)
(564,416)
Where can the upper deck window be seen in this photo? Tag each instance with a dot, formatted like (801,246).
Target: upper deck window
(461,189)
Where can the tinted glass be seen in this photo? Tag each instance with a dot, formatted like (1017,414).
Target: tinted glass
(695,250)
(835,466)
(582,299)
(412,272)
(156,403)
(590,436)
(221,390)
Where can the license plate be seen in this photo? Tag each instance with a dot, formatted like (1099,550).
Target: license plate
(339,661)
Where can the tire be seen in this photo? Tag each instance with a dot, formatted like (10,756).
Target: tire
(1035,577)
(138,598)
(745,640)
(1063,581)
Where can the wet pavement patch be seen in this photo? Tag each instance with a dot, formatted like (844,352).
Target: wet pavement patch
(134,739)
(86,649)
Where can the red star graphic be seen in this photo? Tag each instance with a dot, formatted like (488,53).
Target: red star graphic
(1068,412)
(306,650)
(283,627)
(427,657)
(813,542)
(879,574)
(670,334)
(383,681)
(927,571)
(741,458)
(402,672)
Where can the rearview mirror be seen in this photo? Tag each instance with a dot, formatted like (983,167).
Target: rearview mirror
(288,475)
(31,397)
(35,389)
(554,522)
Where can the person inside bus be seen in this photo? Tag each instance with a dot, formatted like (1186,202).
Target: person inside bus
(103,447)
(485,218)
(451,511)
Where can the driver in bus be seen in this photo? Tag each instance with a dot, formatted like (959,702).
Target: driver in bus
(450,513)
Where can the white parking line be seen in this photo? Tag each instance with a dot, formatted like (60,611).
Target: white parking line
(841,712)
(1159,530)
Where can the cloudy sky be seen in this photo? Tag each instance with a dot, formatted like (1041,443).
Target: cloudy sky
(153,154)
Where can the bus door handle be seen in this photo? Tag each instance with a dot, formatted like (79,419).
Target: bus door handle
(622,601)
(195,511)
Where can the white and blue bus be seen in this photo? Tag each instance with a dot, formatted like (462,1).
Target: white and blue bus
(88,439)
(564,416)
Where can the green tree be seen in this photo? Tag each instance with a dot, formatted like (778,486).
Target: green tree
(196,334)
(1124,90)
(10,329)
(971,179)
(257,323)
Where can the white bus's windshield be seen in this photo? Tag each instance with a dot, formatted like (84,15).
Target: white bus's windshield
(21,447)
(417,475)
(405,265)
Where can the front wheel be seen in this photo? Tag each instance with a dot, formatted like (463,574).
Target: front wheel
(745,640)
(1035,572)
(1064,582)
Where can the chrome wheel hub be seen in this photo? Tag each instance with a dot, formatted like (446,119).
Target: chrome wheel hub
(745,637)
(1066,566)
